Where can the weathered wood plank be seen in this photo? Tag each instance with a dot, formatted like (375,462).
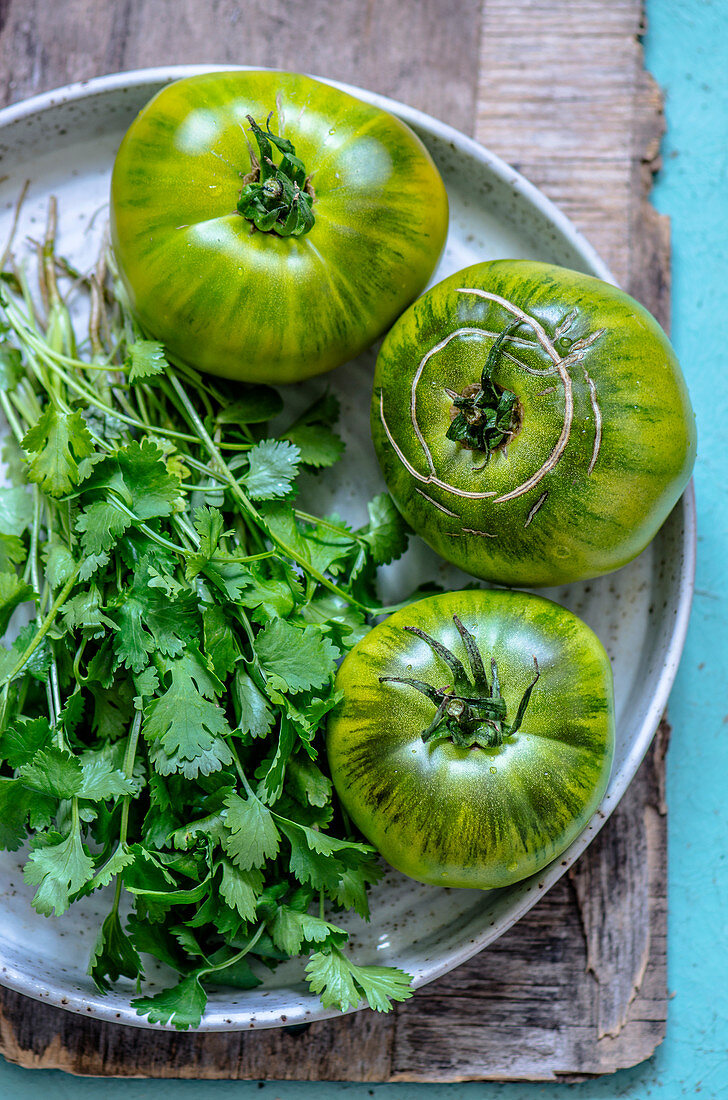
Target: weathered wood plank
(578,986)
(564,98)
(533,1006)
(419,51)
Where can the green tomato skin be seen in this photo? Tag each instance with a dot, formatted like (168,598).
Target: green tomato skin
(477,817)
(607,438)
(251,305)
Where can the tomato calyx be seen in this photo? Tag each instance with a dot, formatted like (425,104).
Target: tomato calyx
(485,416)
(276,198)
(471,712)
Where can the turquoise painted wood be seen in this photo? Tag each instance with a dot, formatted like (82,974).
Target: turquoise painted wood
(687,51)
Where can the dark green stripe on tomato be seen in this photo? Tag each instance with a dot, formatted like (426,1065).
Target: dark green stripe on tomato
(624,464)
(474,817)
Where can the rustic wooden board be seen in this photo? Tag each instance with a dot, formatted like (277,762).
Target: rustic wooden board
(578,986)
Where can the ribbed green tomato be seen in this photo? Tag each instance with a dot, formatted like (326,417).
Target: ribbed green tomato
(567,458)
(257,305)
(491,814)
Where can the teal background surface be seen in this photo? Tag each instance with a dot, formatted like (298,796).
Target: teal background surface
(687,51)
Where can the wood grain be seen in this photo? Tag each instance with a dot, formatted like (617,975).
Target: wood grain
(557,87)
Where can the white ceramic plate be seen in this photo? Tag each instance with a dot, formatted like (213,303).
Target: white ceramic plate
(64,144)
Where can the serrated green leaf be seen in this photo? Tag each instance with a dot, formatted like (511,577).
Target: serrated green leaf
(181,1005)
(240,889)
(251,836)
(58,869)
(273,466)
(57,442)
(22,740)
(16,511)
(101,780)
(291,929)
(145,359)
(101,525)
(296,660)
(251,707)
(120,858)
(54,772)
(317,445)
(13,592)
(188,726)
(113,955)
(59,564)
(342,984)
(386,534)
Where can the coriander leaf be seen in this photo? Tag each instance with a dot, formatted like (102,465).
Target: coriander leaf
(329,975)
(11,367)
(310,866)
(291,929)
(83,612)
(100,526)
(268,597)
(12,552)
(341,983)
(59,564)
(146,683)
(91,563)
(240,889)
(219,641)
(145,359)
(188,726)
(307,782)
(53,771)
(251,836)
(239,974)
(181,1005)
(58,441)
(327,548)
(101,780)
(120,858)
(294,659)
(273,466)
(58,869)
(148,621)
(113,955)
(209,524)
(16,511)
(317,445)
(22,740)
(254,405)
(273,769)
(13,592)
(16,801)
(139,477)
(251,707)
(351,890)
(386,533)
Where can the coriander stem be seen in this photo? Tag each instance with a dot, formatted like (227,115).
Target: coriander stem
(236,958)
(247,504)
(45,625)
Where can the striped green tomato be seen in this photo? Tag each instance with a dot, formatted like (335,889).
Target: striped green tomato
(532,423)
(272,248)
(463,772)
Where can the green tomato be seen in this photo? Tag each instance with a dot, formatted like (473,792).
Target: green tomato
(532,423)
(345,217)
(466,773)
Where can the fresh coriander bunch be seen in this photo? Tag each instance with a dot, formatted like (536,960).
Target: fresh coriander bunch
(160,714)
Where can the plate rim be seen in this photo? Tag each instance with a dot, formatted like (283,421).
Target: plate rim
(532,888)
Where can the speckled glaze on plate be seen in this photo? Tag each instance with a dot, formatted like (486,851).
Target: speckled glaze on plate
(64,144)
